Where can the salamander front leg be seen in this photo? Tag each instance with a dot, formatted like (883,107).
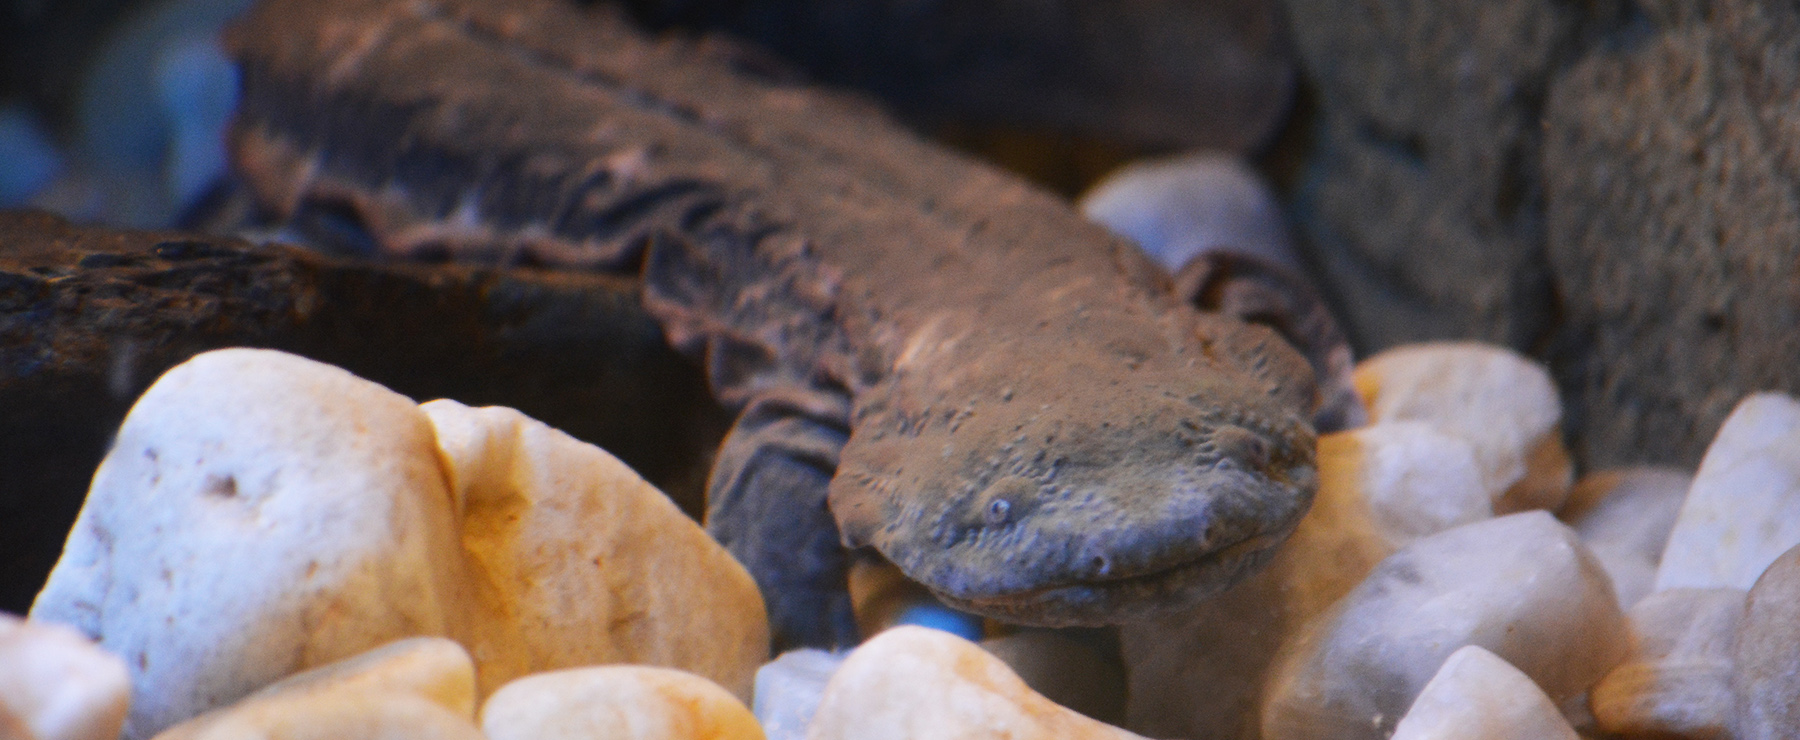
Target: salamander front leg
(1263,292)
(766,502)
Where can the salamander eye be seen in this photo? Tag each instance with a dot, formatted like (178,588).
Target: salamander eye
(998,510)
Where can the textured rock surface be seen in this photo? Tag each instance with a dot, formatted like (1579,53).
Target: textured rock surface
(622,702)
(1162,73)
(420,687)
(56,685)
(1200,672)
(1743,509)
(1607,185)
(575,560)
(1180,207)
(259,514)
(1503,404)
(1674,225)
(916,682)
(1676,681)
(1624,516)
(1766,656)
(788,690)
(1422,198)
(90,316)
(1478,696)
(1522,586)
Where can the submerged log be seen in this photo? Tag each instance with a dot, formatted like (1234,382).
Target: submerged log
(90,317)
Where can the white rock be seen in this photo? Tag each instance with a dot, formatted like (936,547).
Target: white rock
(617,703)
(1411,479)
(1200,673)
(579,561)
(262,514)
(788,690)
(259,514)
(1625,516)
(916,682)
(420,688)
(1765,672)
(56,685)
(1504,405)
(1743,510)
(1184,206)
(1522,586)
(1478,696)
(1676,681)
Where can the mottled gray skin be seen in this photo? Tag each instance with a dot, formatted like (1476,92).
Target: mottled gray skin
(930,357)
(1076,451)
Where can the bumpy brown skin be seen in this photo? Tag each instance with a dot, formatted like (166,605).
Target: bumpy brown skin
(1072,449)
(1002,398)
(1258,291)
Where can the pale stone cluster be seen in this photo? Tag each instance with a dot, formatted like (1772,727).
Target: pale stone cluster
(261,514)
(1450,582)
(275,548)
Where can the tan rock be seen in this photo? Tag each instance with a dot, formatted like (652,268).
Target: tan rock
(1676,681)
(1477,696)
(432,668)
(1200,672)
(1766,655)
(420,688)
(1625,516)
(377,717)
(1504,405)
(1743,510)
(1522,586)
(918,683)
(259,514)
(56,685)
(617,703)
(579,561)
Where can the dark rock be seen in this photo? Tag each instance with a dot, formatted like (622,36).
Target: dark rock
(1674,229)
(1603,185)
(1422,199)
(1215,74)
(90,317)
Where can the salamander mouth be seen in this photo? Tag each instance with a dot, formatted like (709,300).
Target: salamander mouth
(1128,597)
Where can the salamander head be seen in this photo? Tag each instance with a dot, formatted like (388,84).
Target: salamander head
(1082,491)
